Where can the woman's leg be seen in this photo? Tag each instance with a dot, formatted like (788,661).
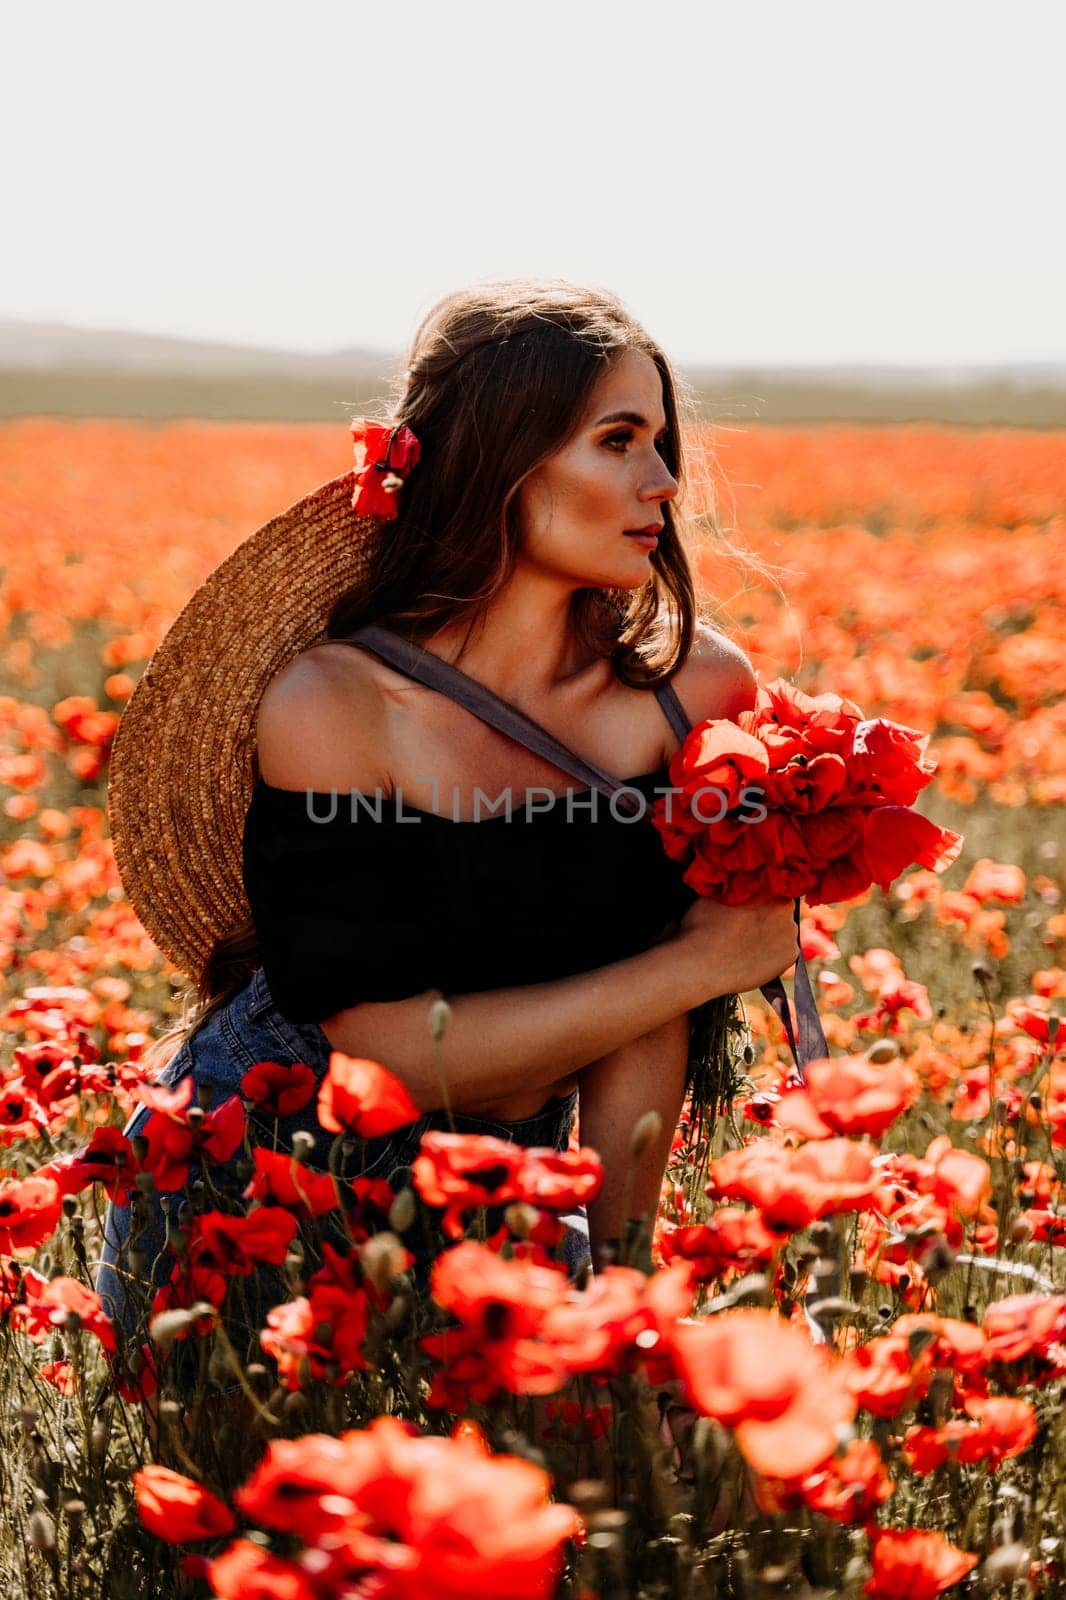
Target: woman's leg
(648,1074)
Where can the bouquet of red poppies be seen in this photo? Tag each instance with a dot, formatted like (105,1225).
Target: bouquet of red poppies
(800,796)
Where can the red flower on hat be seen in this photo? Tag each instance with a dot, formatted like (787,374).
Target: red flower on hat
(383,458)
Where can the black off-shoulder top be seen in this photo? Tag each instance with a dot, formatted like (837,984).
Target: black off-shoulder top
(389,904)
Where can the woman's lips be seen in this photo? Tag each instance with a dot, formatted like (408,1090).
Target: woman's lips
(649,538)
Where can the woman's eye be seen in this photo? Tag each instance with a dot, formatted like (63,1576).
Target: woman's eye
(616,439)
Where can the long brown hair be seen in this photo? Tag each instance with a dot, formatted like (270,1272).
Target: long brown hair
(497,380)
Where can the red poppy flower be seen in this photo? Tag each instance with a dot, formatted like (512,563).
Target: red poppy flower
(245,1571)
(1045,1227)
(234,1244)
(1033,1019)
(959,1345)
(188,1285)
(30,1209)
(169,1102)
(621,1320)
(888,1373)
(176,1509)
(428,1517)
(462,1170)
(793,1188)
(363,1098)
(21,1114)
(1024,1325)
(834,792)
(911,1565)
(279,1089)
(956,1178)
(730,1240)
(850,1486)
(760,1376)
(996,881)
(61,1375)
(174,1141)
(381,454)
(847,1095)
(108,1158)
(501,1306)
(282,1181)
(319,1335)
(1002,1427)
(894,837)
(887,764)
(140,1379)
(805,787)
(49,1303)
(559,1180)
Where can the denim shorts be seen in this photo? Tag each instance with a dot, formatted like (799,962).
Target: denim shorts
(217,1055)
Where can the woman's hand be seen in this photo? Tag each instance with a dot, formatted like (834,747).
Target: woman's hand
(730,949)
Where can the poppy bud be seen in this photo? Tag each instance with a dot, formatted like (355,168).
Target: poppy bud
(219,1369)
(884,1050)
(646,1131)
(382,1258)
(165,1328)
(520,1218)
(391,483)
(302,1145)
(42,1531)
(440,1015)
(588,1495)
(402,1211)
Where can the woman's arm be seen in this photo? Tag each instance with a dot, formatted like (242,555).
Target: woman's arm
(511,1041)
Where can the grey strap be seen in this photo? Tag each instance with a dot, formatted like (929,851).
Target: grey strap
(666,695)
(422,665)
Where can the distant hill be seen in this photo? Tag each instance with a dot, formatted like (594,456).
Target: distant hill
(58,369)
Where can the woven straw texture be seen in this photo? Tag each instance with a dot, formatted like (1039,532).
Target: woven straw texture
(183,761)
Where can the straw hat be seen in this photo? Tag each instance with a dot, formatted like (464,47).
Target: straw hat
(182,766)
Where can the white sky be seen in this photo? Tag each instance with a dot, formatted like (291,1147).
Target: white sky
(760,180)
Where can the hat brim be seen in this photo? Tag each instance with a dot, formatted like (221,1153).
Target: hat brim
(183,761)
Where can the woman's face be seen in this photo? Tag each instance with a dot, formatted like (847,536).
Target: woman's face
(576,508)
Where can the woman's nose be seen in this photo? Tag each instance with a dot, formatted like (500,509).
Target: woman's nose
(664,487)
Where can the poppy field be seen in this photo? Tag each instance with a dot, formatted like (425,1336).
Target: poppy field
(844,1373)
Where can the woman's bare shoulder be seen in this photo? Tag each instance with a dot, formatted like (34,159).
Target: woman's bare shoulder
(321,720)
(716,678)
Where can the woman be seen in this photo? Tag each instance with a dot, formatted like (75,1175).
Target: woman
(542,445)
